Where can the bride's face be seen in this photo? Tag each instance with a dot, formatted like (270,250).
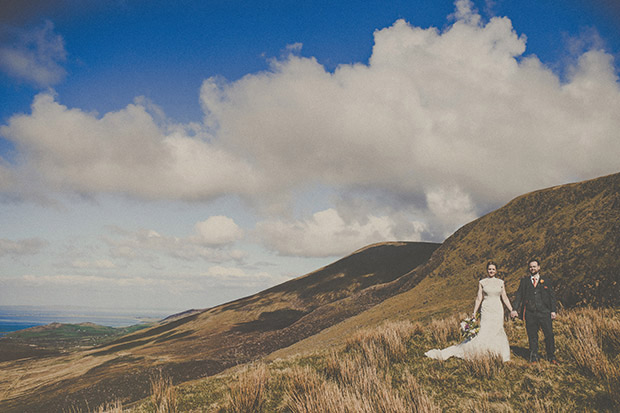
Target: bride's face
(491,270)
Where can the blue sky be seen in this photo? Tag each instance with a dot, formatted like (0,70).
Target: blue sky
(182,154)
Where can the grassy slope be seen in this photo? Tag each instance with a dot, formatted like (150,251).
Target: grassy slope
(384,369)
(574,229)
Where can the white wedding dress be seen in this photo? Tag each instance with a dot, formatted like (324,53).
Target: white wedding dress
(491,338)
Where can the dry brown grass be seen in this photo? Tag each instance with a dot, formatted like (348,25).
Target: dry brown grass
(389,340)
(384,370)
(247,393)
(360,378)
(485,366)
(612,384)
(111,407)
(445,330)
(587,330)
(541,405)
(364,353)
(380,347)
(163,394)
(594,344)
(364,389)
(586,349)
(114,407)
(483,404)
(309,392)
(415,395)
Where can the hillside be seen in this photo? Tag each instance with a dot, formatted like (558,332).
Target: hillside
(205,342)
(574,229)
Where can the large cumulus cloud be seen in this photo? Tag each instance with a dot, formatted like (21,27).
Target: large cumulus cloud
(127,152)
(458,120)
(460,108)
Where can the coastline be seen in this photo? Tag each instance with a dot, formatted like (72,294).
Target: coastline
(19,317)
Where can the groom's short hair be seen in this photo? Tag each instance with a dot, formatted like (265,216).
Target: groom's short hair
(536,260)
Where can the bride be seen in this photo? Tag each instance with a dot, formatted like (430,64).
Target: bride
(491,338)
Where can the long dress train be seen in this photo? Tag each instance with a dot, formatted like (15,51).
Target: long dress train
(491,338)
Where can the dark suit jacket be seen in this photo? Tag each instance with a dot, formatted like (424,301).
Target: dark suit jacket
(526,295)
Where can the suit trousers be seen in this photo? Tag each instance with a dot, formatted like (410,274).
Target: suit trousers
(533,322)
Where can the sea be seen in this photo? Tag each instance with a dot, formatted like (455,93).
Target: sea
(13,318)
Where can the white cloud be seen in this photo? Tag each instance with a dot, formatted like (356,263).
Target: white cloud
(225,272)
(181,283)
(76,279)
(238,277)
(30,246)
(465,11)
(78,282)
(6,177)
(212,241)
(294,47)
(34,56)
(218,230)
(462,107)
(450,208)
(122,152)
(103,264)
(168,290)
(326,234)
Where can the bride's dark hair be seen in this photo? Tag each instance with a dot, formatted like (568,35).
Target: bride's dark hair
(492,263)
(498,275)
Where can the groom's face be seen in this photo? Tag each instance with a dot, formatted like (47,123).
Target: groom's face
(534,268)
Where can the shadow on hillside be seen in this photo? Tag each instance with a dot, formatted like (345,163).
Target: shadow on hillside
(271,320)
(381,264)
(372,266)
(17,351)
(130,341)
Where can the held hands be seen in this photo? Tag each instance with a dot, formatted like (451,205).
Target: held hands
(514,314)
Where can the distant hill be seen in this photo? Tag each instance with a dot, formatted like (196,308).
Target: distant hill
(58,338)
(574,229)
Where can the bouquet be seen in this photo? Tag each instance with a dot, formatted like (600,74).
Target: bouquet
(469,328)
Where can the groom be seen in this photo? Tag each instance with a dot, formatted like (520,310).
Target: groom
(535,301)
